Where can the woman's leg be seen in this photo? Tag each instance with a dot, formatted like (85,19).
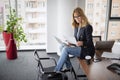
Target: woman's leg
(73,51)
(67,60)
(62,59)
(64,56)
(61,47)
(68,63)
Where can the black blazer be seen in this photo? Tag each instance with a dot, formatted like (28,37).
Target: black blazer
(85,35)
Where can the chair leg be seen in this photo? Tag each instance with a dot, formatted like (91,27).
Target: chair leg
(81,75)
(75,75)
(73,71)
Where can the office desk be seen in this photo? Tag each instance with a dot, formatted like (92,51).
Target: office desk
(98,70)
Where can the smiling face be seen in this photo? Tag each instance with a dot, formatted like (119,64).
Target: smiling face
(77,17)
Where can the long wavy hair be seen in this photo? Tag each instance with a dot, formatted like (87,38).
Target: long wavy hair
(80,12)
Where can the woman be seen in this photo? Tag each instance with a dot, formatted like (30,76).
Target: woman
(84,44)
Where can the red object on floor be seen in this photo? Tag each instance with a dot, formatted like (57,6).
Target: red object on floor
(6,37)
(11,49)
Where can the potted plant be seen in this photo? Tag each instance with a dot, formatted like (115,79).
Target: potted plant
(14,26)
(13,34)
(1,28)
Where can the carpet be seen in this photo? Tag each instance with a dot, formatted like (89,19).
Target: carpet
(25,66)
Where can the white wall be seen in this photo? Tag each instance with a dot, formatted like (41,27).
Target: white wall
(65,9)
(51,25)
(59,20)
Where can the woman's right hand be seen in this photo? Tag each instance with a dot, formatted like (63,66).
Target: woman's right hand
(79,43)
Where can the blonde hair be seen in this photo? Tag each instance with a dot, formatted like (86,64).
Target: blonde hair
(80,12)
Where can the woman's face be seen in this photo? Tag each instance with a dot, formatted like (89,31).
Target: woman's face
(77,18)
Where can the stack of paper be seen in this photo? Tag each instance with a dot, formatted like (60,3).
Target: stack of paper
(66,40)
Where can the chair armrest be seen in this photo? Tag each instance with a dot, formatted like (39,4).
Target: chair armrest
(102,46)
(37,58)
(48,58)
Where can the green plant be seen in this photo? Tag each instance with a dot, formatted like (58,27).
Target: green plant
(14,25)
(1,28)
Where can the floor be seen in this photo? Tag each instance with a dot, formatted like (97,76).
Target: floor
(25,66)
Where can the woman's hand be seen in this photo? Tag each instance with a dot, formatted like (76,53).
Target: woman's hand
(79,43)
(69,44)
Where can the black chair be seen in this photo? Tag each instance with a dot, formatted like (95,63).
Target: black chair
(46,66)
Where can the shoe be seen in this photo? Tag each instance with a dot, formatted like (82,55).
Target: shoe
(53,75)
(66,70)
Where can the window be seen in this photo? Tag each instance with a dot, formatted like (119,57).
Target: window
(98,18)
(96,13)
(115,9)
(34,17)
(114,21)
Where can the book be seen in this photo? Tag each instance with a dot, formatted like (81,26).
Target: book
(66,40)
